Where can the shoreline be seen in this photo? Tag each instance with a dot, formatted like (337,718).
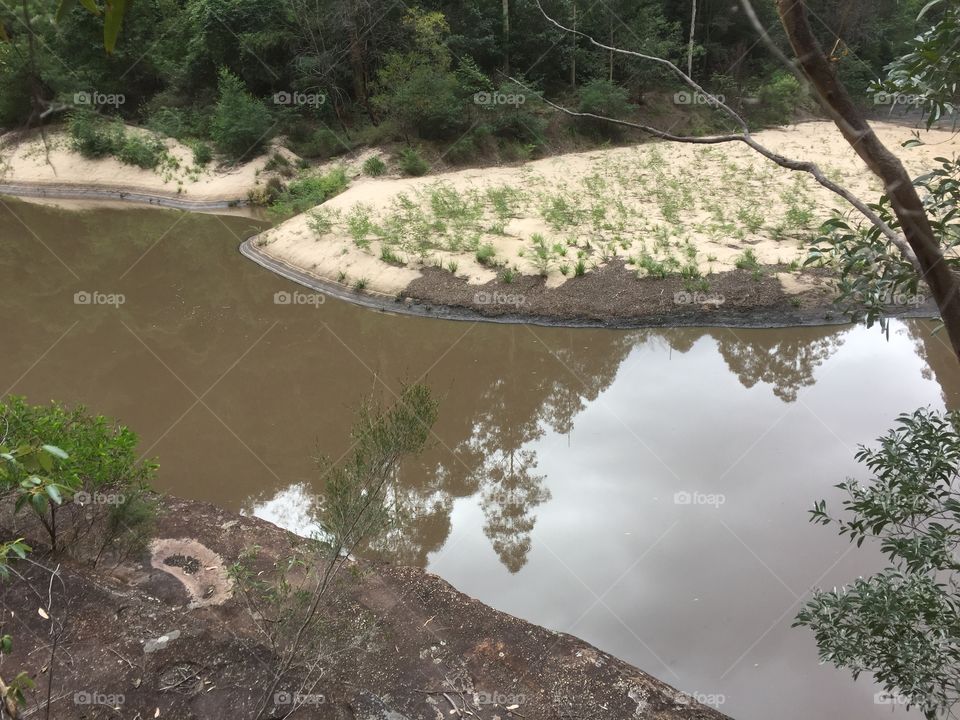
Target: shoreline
(93,193)
(402,304)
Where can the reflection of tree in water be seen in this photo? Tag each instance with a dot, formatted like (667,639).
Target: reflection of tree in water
(561,374)
(509,496)
(785,360)
(939,360)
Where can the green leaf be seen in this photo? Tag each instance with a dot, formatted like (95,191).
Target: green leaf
(67,5)
(54,492)
(112,22)
(64,8)
(54,450)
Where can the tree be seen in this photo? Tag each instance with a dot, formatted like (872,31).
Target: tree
(241,123)
(359,506)
(113,15)
(903,623)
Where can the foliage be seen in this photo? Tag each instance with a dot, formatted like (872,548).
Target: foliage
(901,624)
(778,99)
(357,508)
(929,72)
(358,490)
(374,166)
(202,153)
(872,275)
(91,136)
(59,454)
(30,473)
(412,163)
(308,192)
(606,99)
(144,151)
(319,143)
(241,123)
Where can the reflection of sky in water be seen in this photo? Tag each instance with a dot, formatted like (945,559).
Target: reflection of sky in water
(701,596)
(293,508)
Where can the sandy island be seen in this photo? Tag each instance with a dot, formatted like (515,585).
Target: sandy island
(648,234)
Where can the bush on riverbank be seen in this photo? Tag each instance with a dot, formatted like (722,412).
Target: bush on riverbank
(101,502)
(94,137)
(302,194)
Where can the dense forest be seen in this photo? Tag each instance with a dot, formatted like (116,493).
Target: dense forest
(226,76)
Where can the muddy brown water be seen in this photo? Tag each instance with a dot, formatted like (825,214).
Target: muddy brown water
(644,490)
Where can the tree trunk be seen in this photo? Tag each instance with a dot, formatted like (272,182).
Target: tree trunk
(693,30)
(506,37)
(885,165)
(573,54)
(358,62)
(610,21)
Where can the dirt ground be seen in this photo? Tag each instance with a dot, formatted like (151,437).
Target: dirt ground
(167,635)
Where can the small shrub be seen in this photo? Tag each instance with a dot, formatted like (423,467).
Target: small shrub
(202,153)
(607,99)
(305,193)
(747,261)
(389,256)
(91,136)
(374,166)
(144,152)
(412,163)
(360,284)
(321,220)
(321,143)
(279,164)
(778,99)
(580,269)
(485,254)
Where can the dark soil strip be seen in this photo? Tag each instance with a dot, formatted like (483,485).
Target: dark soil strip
(609,297)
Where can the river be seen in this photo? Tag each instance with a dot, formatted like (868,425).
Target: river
(645,490)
